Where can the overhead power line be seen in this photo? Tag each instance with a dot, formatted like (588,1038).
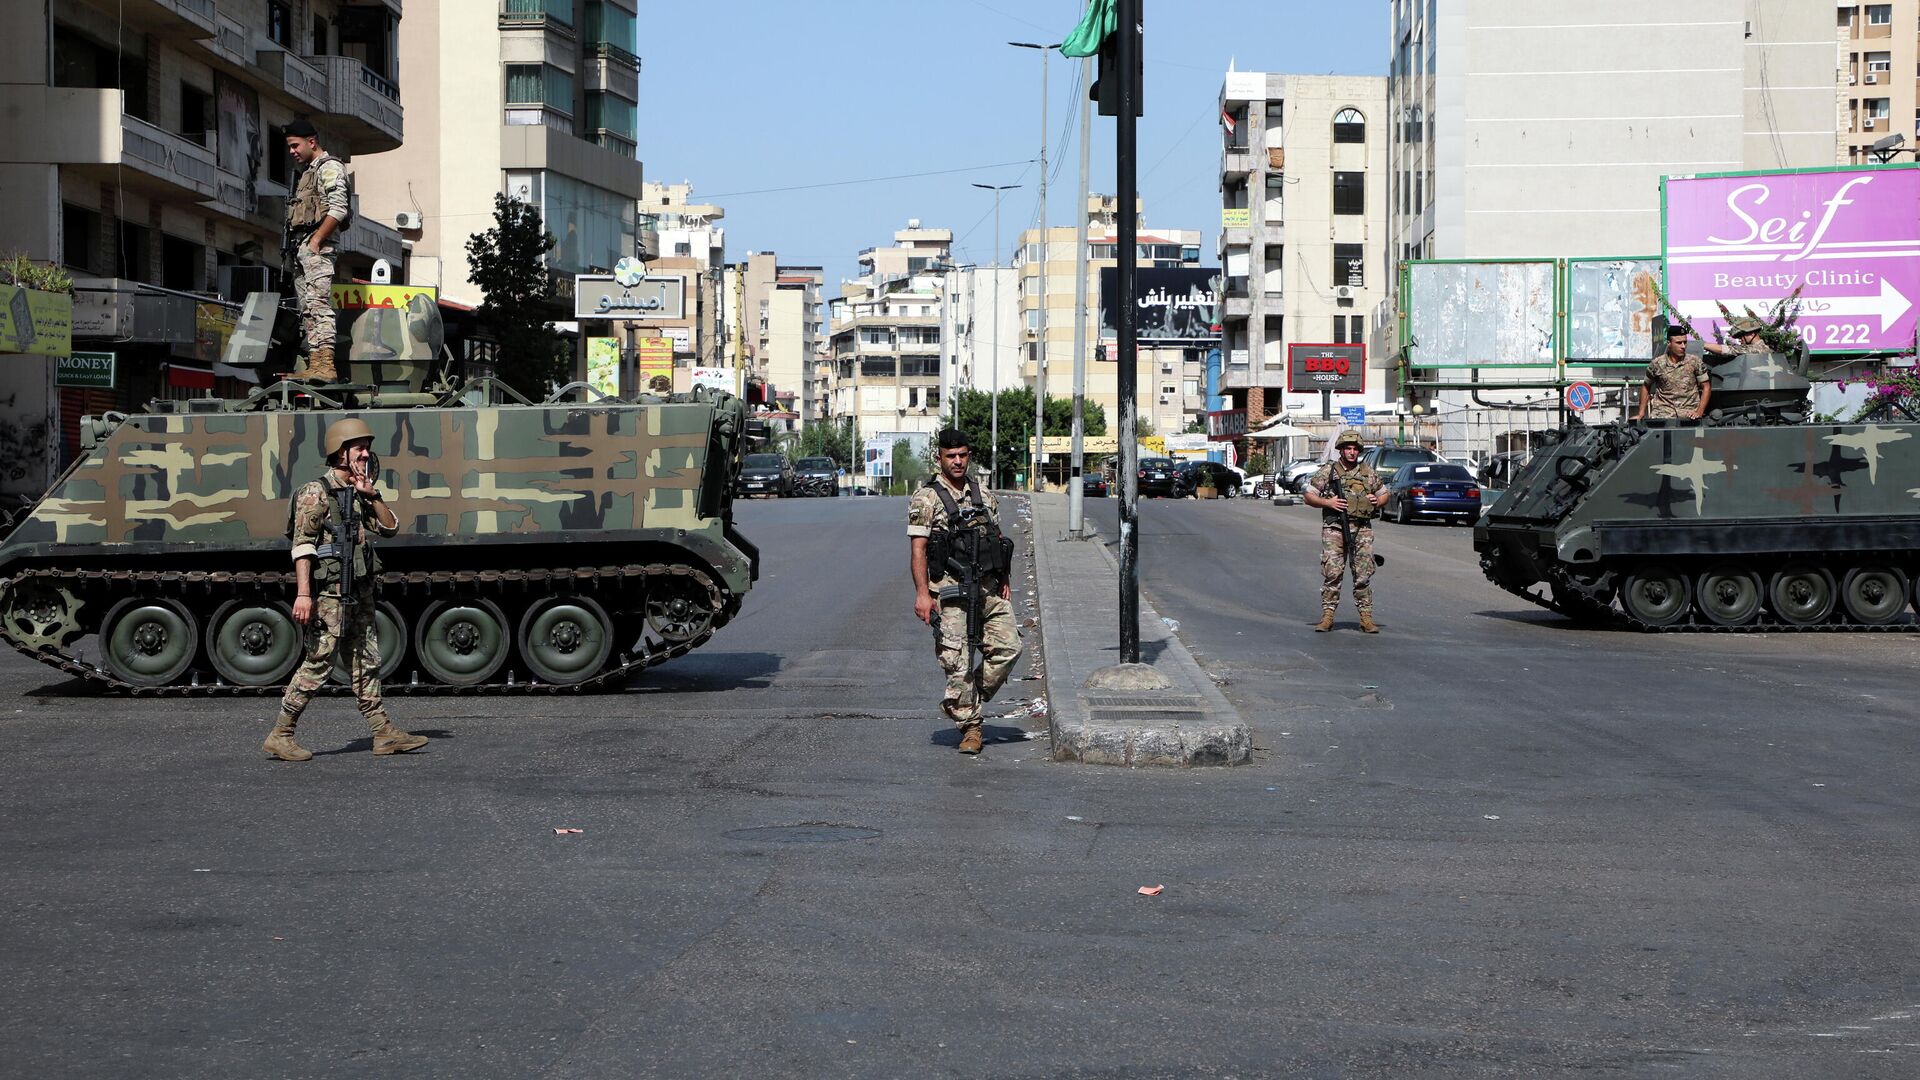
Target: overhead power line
(867,180)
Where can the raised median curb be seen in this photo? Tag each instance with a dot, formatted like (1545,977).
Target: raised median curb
(1189,722)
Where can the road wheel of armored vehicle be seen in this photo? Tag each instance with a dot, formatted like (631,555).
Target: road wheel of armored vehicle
(40,616)
(1874,594)
(149,641)
(253,642)
(462,642)
(392,633)
(565,639)
(677,612)
(1801,595)
(1728,595)
(1656,595)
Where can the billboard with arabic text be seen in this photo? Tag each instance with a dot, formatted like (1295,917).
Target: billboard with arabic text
(1175,304)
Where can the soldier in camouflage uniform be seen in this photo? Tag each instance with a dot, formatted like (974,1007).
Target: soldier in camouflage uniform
(1346,487)
(316,212)
(1676,383)
(334,622)
(1746,335)
(943,605)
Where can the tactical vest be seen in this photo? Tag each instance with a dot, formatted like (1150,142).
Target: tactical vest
(968,538)
(329,553)
(307,205)
(1353,485)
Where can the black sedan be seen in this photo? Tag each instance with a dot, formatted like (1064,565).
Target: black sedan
(1094,486)
(764,474)
(1446,492)
(1155,476)
(1191,475)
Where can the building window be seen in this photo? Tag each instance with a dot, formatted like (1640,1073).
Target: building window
(1349,193)
(196,112)
(1879,14)
(1349,265)
(607,112)
(277,154)
(877,367)
(609,24)
(80,238)
(280,23)
(319,35)
(540,84)
(183,264)
(1879,61)
(560,11)
(1878,108)
(1349,126)
(136,252)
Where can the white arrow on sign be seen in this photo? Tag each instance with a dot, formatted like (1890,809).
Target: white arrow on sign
(1889,306)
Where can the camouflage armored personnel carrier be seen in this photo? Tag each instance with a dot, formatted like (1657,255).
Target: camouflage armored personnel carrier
(1757,519)
(562,544)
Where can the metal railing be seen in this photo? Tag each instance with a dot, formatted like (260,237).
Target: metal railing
(607,50)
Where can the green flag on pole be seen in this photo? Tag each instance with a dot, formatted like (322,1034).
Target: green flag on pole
(1099,21)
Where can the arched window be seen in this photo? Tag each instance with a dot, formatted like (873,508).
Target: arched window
(1349,126)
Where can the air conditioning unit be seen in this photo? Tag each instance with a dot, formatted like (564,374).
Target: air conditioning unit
(1867,124)
(1852,78)
(406,219)
(1872,78)
(1344,292)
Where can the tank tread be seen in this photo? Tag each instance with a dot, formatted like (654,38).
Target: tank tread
(1576,600)
(163,582)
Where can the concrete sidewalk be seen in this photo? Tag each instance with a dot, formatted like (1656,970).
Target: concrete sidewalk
(1190,723)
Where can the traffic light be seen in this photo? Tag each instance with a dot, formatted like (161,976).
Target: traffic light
(1106,84)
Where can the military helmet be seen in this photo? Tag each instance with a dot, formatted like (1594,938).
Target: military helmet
(1745,324)
(1351,435)
(342,432)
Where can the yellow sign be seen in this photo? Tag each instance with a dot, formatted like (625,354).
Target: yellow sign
(212,325)
(656,362)
(35,322)
(1236,217)
(357,297)
(1096,444)
(603,365)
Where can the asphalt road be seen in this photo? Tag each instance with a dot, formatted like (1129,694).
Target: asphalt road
(1481,844)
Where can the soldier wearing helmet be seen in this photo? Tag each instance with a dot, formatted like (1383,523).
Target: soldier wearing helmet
(1348,492)
(329,525)
(1746,338)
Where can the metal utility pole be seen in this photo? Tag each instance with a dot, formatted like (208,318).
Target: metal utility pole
(1126,170)
(993,445)
(1075,522)
(1036,478)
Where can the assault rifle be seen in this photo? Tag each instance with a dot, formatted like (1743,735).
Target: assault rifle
(346,531)
(289,244)
(1346,518)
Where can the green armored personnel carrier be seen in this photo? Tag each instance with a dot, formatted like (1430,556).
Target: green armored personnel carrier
(561,544)
(1756,519)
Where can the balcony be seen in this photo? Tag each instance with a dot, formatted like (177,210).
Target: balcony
(235,50)
(174,20)
(1236,236)
(296,77)
(554,15)
(607,75)
(364,106)
(372,240)
(1272,232)
(535,115)
(1236,161)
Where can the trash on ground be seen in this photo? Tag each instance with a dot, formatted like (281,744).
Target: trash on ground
(1172,624)
(1074,817)
(1151,890)
(567,832)
(1491,817)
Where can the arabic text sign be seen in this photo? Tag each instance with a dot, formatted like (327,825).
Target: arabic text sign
(598,296)
(1848,239)
(1169,304)
(357,296)
(35,322)
(1339,369)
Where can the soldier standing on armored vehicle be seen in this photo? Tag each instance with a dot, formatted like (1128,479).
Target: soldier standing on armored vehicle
(1746,331)
(960,562)
(336,571)
(316,213)
(1677,384)
(1347,492)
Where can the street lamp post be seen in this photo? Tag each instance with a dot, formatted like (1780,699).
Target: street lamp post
(1037,476)
(993,444)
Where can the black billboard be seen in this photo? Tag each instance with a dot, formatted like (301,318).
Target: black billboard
(1170,305)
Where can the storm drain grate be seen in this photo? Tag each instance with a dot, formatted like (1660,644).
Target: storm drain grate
(1129,706)
(810,833)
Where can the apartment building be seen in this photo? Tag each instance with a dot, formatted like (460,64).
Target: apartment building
(1166,372)
(887,343)
(533,98)
(141,147)
(776,329)
(980,321)
(1879,67)
(1302,225)
(1523,129)
(683,240)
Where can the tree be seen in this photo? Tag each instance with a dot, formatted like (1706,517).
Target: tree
(974,415)
(909,468)
(508,263)
(834,439)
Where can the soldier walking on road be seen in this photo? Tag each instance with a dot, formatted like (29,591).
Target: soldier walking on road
(960,563)
(329,523)
(1347,492)
(316,213)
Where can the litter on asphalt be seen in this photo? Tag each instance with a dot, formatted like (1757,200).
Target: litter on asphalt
(1151,890)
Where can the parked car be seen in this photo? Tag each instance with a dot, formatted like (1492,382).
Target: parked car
(764,474)
(1295,474)
(816,477)
(1155,476)
(1189,475)
(1432,490)
(1094,486)
(1387,458)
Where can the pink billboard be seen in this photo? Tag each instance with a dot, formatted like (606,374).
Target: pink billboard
(1848,239)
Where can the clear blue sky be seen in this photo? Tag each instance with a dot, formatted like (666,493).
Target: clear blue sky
(740,96)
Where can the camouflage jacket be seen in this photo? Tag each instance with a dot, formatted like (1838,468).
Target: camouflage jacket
(1676,386)
(312,526)
(320,193)
(1355,485)
(926,513)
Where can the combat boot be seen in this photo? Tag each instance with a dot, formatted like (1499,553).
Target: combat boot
(320,365)
(1366,623)
(280,743)
(971,741)
(388,739)
(1326,621)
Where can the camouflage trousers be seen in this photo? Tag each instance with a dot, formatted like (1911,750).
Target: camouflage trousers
(313,287)
(999,647)
(350,633)
(1333,567)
